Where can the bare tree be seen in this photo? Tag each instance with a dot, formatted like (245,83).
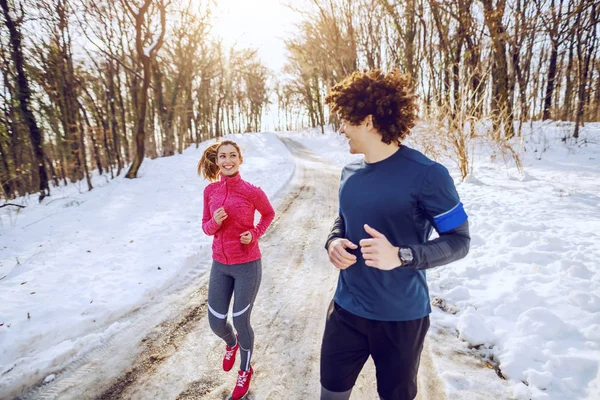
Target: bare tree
(146,57)
(586,45)
(24,95)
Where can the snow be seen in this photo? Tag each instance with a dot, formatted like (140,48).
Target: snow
(527,297)
(472,328)
(331,146)
(71,267)
(525,302)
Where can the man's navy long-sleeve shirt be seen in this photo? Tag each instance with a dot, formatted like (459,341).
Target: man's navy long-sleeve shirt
(405,197)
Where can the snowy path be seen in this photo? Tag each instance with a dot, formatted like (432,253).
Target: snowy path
(180,358)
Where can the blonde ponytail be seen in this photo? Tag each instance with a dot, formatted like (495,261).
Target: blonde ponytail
(207,166)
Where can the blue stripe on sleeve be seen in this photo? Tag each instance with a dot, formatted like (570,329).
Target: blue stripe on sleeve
(450,219)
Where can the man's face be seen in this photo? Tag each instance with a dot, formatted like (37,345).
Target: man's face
(356,135)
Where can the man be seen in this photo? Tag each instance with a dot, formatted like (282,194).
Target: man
(388,205)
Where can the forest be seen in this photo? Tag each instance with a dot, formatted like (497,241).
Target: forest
(95,86)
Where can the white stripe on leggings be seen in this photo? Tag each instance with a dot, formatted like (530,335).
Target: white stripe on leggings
(247,359)
(237,314)
(216,314)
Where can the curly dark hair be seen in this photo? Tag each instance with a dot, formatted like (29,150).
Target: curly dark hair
(388,97)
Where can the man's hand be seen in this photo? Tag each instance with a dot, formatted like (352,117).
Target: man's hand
(246,237)
(220,215)
(378,252)
(338,255)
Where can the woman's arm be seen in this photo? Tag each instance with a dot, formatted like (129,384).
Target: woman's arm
(267,214)
(209,226)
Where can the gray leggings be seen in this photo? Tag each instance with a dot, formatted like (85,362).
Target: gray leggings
(244,281)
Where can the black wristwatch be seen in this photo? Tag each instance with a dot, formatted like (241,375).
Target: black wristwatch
(406,255)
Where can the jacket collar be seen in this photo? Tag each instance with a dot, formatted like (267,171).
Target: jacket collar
(231,180)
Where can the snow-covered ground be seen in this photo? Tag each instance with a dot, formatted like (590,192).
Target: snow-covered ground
(527,296)
(75,264)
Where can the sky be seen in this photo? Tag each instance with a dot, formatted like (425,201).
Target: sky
(262,24)
(259,24)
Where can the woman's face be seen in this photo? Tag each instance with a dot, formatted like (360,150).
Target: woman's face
(228,160)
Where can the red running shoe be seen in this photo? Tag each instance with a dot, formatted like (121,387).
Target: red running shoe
(230,353)
(242,385)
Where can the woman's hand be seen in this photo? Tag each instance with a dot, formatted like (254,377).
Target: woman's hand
(246,237)
(220,215)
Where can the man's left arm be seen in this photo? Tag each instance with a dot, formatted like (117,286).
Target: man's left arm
(450,246)
(441,203)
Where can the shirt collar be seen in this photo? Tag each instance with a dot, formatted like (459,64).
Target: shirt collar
(237,178)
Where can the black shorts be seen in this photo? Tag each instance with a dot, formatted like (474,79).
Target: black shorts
(396,348)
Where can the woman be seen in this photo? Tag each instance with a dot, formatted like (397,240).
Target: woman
(229,206)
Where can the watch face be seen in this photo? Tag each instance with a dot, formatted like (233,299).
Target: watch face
(406,255)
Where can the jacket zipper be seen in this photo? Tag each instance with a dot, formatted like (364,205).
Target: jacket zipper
(222,244)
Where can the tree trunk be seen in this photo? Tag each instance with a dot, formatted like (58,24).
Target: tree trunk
(164,115)
(24,97)
(501,103)
(218,118)
(569,84)
(122,115)
(113,115)
(7,177)
(86,171)
(95,149)
(550,83)
(9,182)
(409,39)
(584,54)
(146,58)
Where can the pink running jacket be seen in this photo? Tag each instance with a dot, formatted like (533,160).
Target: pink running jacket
(240,200)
